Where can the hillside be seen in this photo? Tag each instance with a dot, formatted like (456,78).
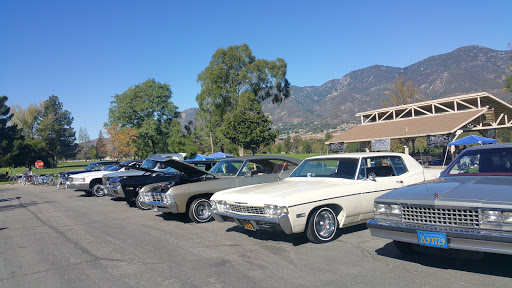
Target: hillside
(315,108)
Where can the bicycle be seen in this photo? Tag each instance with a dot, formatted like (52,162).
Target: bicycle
(13,179)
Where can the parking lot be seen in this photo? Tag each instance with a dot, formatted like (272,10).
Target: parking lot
(62,238)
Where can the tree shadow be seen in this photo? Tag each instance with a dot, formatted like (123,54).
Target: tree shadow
(474,262)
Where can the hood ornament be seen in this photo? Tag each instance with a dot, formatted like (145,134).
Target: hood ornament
(436,196)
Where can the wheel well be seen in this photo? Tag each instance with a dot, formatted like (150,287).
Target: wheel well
(334,207)
(94,182)
(205,195)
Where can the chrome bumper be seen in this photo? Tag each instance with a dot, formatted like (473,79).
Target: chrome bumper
(78,185)
(481,240)
(114,192)
(163,207)
(258,222)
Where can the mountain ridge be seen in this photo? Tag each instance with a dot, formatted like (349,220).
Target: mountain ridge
(464,70)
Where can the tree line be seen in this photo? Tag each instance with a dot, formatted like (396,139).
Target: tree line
(143,120)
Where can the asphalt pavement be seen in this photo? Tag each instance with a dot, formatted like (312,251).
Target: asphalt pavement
(62,238)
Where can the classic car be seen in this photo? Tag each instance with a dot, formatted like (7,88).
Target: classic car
(193,198)
(128,186)
(323,194)
(469,207)
(90,182)
(94,166)
(148,164)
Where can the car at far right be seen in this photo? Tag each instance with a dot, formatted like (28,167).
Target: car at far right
(469,207)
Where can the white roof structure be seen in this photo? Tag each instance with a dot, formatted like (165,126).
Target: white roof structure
(472,112)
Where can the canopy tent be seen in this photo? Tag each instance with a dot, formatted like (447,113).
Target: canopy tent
(201,157)
(472,140)
(220,155)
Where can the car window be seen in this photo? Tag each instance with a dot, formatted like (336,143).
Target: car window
(333,168)
(227,167)
(482,162)
(149,164)
(112,168)
(398,165)
(377,166)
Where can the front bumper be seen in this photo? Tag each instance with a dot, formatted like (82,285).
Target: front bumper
(78,185)
(481,240)
(258,222)
(163,207)
(114,191)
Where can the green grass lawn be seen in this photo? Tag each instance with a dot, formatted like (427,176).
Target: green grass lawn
(61,167)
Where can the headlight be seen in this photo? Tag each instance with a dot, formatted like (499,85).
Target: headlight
(220,205)
(507,217)
(274,210)
(491,216)
(169,198)
(387,211)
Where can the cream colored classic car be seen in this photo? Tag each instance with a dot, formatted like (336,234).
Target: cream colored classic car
(322,194)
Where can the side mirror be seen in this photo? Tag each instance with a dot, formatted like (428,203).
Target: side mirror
(371,176)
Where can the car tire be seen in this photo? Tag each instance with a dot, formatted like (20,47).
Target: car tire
(200,210)
(141,205)
(322,225)
(403,247)
(98,190)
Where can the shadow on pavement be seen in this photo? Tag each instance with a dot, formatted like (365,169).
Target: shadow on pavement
(181,217)
(461,260)
(294,239)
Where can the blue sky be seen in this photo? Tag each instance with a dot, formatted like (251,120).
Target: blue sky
(87,51)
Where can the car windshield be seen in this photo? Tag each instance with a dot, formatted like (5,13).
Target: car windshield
(170,170)
(227,167)
(333,168)
(91,167)
(149,164)
(482,162)
(112,168)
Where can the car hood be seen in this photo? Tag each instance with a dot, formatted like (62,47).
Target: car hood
(455,190)
(74,172)
(91,174)
(288,191)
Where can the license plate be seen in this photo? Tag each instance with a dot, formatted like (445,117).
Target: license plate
(247,225)
(432,239)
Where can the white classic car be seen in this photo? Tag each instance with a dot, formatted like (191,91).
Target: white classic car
(90,182)
(322,194)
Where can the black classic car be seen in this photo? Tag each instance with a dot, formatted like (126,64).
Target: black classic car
(127,186)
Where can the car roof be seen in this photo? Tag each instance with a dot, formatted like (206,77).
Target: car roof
(265,157)
(105,162)
(356,155)
(130,162)
(489,146)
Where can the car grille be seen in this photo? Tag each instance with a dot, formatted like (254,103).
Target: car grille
(153,196)
(247,209)
(441,216)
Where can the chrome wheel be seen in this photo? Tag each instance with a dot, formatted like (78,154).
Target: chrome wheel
(201,210)
(322,225)
(98,190)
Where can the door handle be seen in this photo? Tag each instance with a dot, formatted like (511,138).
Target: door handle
(400,182)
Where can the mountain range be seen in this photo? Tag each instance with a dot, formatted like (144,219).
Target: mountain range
(465,70)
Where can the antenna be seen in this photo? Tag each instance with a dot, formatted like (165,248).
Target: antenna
(279,176)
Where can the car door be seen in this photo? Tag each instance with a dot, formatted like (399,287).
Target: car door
(380,177)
